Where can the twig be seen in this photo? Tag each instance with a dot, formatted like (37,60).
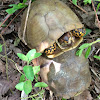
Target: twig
(38,94)
(95,73)
(79,7)
(97,51)
(13,62)
(11,22)
(5,56)
(96,14)
(26,22)
(34,95)
(5,20)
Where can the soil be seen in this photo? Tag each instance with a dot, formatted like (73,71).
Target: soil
(9,75)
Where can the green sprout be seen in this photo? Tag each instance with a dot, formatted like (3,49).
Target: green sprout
(30,72)
(16,7)
(84,46)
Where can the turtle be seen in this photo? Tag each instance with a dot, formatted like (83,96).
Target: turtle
(51,25)
(48,21)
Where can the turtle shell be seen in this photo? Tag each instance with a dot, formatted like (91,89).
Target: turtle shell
(66,75)
(48,20)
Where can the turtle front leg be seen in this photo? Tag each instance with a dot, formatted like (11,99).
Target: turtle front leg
(60,46)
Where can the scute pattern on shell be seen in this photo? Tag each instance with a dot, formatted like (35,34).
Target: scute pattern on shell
(47,21)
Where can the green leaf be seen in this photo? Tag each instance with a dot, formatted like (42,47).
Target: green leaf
(27,87)
(88,31)
(30,54)
(79,52)
(24,1)
(21,5)
(74,2)
(33,99)
(88,52)
(1,48)
(16,42)
(98,6)
(19,86)
(40,84)
(97,57)
(11,10)
(36,77)
(22,78)
(28,70)
(37,55)
(87,1)
(36,69)
(22,56)
(15,7)
(85,45)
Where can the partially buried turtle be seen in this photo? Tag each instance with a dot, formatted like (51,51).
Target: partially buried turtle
(53,29)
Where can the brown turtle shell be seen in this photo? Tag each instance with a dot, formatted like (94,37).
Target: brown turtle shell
(48,20)
(66,75)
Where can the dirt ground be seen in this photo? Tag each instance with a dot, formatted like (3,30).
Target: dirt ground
(9,76)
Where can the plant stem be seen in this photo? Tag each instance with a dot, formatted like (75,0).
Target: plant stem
(94,42)
(13,62)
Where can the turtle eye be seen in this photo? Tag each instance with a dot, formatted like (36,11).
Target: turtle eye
(66,38)
(66,42)
(75,31)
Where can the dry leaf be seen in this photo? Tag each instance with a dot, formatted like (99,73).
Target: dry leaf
(4,86)
(2,67)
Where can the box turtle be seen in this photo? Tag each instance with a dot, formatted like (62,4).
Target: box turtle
(52,28)
(66,75)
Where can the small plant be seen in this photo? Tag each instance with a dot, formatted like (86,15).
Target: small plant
(15,7)
(88,46)
(74,2)
(85,2)
(98,6)
(30,73)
